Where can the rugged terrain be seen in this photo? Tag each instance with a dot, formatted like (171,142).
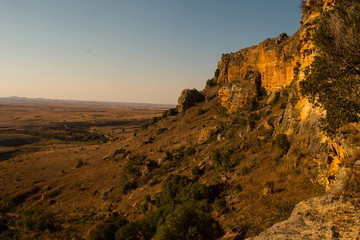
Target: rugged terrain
(245,153)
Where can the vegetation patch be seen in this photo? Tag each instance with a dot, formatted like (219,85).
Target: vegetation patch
(183,213)
(333,78)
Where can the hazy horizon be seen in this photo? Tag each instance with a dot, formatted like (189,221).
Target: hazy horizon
(128,51)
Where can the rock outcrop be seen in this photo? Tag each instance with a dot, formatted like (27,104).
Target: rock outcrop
(279,61)
(325,217)
(188,98)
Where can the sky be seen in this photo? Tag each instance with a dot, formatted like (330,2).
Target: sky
(144,51)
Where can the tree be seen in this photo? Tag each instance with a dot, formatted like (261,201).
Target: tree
(333,78)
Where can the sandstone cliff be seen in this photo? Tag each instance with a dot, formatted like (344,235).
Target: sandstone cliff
(278,65)
(279,61)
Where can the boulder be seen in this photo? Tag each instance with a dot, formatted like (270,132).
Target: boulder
(189,98)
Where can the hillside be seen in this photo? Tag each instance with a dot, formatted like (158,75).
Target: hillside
(247,157)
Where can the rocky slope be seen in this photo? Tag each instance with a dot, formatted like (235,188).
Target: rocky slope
(249,140)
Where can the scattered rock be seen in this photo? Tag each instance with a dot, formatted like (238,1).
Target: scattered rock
(269,123)
(220,137)
(189,98)
(224,177)
(120,153)
(105,157)
(46,188)
(267,191)
(261,138)
(357,163)
(160,161)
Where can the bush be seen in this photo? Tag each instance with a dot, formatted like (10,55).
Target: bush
(107,229)
(147,199)
(188,221)
(169,112)
(127,186)
(281,141)
(197,172)
(131,166)
(183,213)
(154,120)
(210,83)
(219,204)
(36,218)
(238,188)
(130,231)
(222,160)
(6,205)
(190,151)
(79,163)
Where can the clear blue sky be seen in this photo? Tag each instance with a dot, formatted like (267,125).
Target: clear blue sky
(128,50)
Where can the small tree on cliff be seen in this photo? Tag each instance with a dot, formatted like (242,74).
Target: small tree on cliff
(333,78)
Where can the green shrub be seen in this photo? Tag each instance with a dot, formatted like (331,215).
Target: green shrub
(219,204)
(154,120)
(107,229)
(6,205)
(130,231)
(169,112)
(144,126)
(222,160)
(281,141)
(187,222)
(144,208)
(183,213)
(147,198)
(197,172)
(131,166)
(36,218)
(190,151)
(210,83)
(127,186)
(238,188)
(79,163)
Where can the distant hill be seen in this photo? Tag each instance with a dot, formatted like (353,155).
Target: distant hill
(16,99)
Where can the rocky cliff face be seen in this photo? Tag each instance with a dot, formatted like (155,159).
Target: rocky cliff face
(277,65)
(279,61)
